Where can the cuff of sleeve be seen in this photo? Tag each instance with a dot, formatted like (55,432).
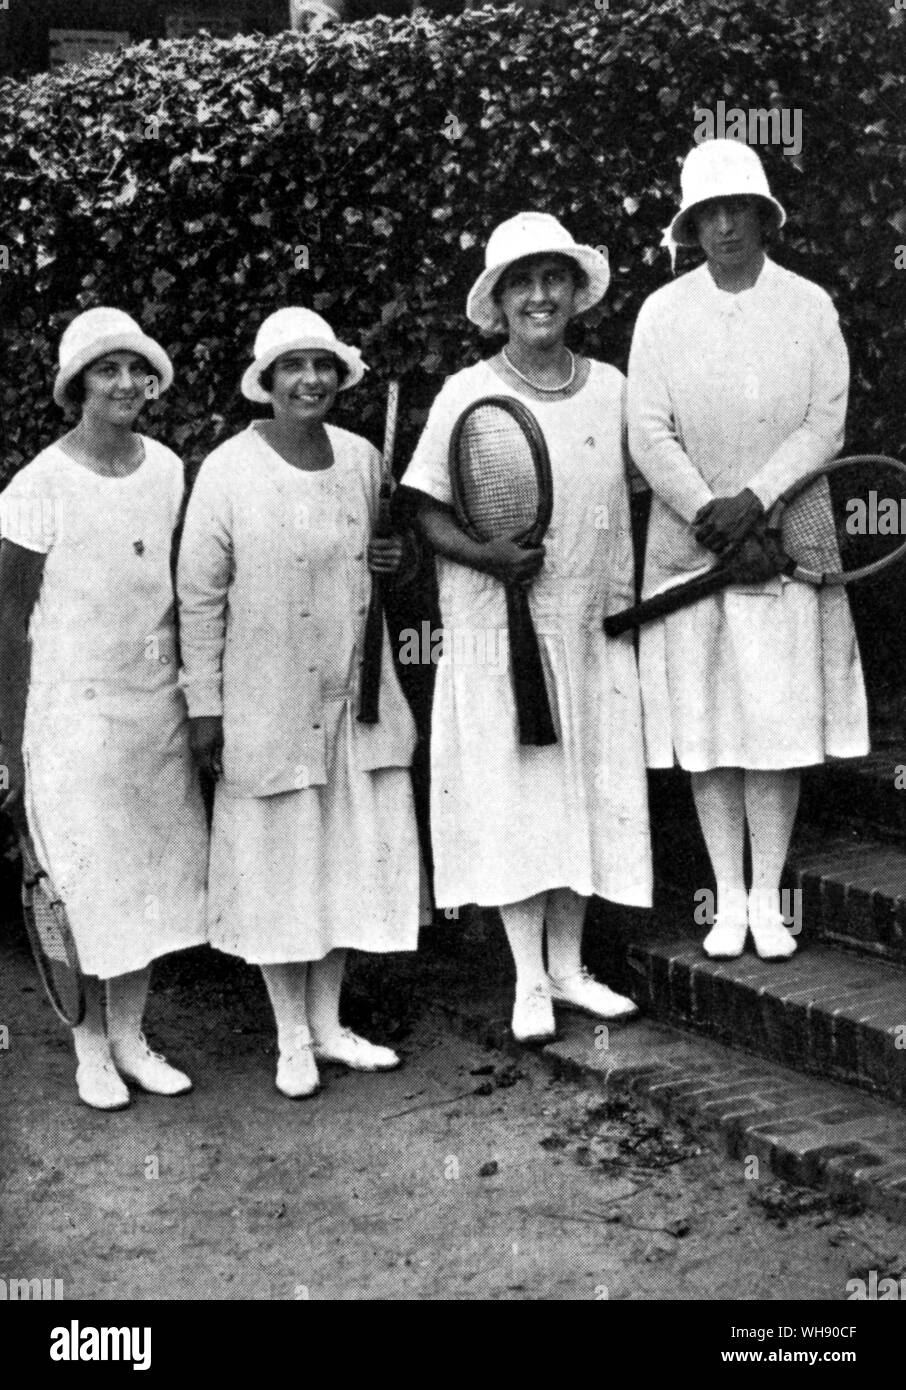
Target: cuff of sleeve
(701,498)
(765,495)
(204,698)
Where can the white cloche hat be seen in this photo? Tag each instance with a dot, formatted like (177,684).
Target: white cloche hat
(533,234)
(297,330)
(96,332)
(719,168)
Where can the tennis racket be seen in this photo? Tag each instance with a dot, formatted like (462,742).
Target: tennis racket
(840,524)
(500,476)
(373,646)
(50,935)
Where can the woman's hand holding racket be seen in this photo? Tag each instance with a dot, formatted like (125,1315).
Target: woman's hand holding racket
(724,522)
(385,554)
(206,743)
(512,563)
(838,525)
(500,477)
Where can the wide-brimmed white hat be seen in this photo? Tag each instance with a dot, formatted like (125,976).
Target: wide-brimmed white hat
(96,332)
(297,330)
(533,234)
(719,169)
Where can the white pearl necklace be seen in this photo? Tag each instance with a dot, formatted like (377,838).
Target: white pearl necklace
(547,390)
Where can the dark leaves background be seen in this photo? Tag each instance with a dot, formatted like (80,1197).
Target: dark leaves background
(178,182)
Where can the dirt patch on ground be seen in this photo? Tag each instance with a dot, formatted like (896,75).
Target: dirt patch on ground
(467,1174)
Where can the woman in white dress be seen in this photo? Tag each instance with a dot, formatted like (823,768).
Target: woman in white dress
(314,847)
(536,831)
(94,723)
(738,381)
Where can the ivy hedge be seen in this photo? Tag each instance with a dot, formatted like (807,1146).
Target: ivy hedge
(201,184)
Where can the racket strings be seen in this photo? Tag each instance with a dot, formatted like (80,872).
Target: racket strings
(52,932)
(497,474)
(809,530)
(853,518)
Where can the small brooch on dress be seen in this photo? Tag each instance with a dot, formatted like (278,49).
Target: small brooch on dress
(138,547)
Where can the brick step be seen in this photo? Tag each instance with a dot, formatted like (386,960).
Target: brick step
(866,794)
(853,895)
(853,885)
(823,1012)
(803,1129)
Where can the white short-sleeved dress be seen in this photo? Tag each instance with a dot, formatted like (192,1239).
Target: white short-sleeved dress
(310,859)
(509,821)
(728,391)
(111,793)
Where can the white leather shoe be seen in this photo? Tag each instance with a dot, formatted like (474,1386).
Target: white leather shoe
(356,1053)
(297,1074)
(101,1086)
(586,994)
(727,938)
(148,1069)
(772,940)
(533,1016)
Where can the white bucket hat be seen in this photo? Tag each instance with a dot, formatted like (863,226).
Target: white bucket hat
(718,169)
(96,332)
(297,330)
(533,234)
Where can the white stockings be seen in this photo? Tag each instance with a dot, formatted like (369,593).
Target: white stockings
(126,999)
(524,924)
(305,997)
(726,798)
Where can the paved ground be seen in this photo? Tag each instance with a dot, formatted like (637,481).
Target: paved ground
(466,1175)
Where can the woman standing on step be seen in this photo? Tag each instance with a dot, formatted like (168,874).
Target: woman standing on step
(94,723)
(738,380)
(536,830)
(314,846)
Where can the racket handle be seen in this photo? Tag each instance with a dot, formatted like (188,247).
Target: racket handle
(533,711)
(373,645)
(372,654)
(670,602)
(383,527)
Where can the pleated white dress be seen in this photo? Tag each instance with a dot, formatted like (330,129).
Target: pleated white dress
(508,821)
(728,391)
(112,796)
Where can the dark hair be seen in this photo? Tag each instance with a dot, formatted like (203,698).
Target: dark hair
(266,379)
(74,393)
(579,275)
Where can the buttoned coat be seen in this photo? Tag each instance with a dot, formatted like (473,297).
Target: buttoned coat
(247,626)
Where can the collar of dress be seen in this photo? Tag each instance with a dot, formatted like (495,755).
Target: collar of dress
(728,304)
(276,468)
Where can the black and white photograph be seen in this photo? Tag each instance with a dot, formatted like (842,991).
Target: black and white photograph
(453,663)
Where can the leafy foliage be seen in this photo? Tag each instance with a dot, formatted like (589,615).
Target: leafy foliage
(201,184)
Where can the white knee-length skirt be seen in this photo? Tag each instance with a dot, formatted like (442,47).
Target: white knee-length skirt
(116,814)
(765,681)
(299,874)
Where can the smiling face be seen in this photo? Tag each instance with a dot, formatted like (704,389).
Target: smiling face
(730,232)
(114,387)
(536,297)
(304,385)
